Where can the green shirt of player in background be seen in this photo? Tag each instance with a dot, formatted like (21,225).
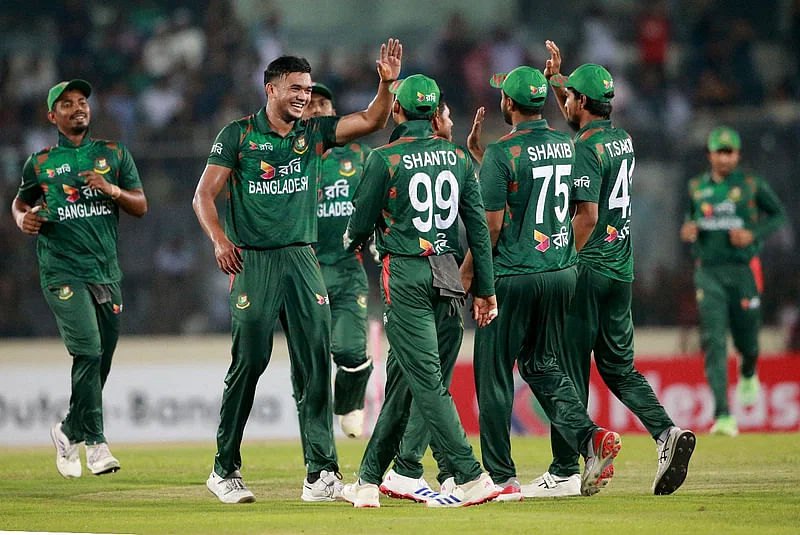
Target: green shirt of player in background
(730,213)
(81,183)
(342,271)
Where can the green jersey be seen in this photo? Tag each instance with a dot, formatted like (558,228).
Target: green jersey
(527,173)
(341,173)
(78,240)
(604,162)
(413,190)
(741,200)
(272,189)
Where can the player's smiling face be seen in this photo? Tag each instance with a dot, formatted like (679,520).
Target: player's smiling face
(289,95)
(71,113)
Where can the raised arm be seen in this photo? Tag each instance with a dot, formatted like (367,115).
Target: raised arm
(553,68)
(374,118)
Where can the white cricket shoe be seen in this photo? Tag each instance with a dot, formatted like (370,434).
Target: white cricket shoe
(447,486)
(599,468)
(395,485)
(325,489)
(510,491)
(361,494)
(68,461)
(229,489)
(99,459)
(673,460)
(475,492)
(549,486)
(352,423)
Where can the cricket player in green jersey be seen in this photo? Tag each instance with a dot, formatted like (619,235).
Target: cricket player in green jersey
(405,479)
(599,319)
(412,193)
(270,163)
(342,271)
(82,183)
(730,213)
(525,180)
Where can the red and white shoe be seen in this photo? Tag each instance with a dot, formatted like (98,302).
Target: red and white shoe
(475,492)
(361,494)
(599,467)
(510,491)
(395,485)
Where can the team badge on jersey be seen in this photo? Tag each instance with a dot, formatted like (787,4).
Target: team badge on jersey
(64,293)
(362,301)
(707,209)
(101,166)
(543,240)
(242,302)
(116,308)
(612,232)
(269,171)
(300,145)
(346,168)
(322,299)
(73,194)
(735,194)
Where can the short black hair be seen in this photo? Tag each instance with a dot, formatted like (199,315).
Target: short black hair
(595,107)
(285,65)
(442,103)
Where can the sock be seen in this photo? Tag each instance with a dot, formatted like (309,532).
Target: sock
(312,477)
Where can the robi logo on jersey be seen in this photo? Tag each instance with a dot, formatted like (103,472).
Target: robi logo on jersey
(72,193)
(269,171)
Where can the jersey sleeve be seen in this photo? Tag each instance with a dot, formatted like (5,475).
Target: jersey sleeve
(326,128)
(770,205)
(367,202)
(473,216)
(29,190)
(494,178)
(128,174)
(587,174)
(225,149)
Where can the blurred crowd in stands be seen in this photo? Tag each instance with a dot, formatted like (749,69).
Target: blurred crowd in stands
(168,75)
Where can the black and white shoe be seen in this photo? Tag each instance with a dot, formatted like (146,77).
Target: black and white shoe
(549,486)
(673,460)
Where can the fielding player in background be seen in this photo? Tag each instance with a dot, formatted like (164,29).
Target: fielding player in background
(525,179)
(599,318)
(405,479)
(342,271)
(730,213)
(82,182)
(413,191)
(269,162)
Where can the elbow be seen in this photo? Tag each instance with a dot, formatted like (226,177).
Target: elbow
(141,210)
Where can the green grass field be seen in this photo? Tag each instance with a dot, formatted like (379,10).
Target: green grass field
(747,484)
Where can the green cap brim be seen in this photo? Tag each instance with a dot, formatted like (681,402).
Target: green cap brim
(322,89)
(497,79)
(57,90)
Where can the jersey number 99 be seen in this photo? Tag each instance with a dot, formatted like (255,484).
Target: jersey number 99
(443,200)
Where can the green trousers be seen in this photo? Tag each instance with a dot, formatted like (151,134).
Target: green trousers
(417,437)
(530,331)
(728,298)
(414,370)
(599,321)
(90,331)
(348,291)
(279,284)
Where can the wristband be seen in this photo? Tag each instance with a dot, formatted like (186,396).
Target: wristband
(115,191)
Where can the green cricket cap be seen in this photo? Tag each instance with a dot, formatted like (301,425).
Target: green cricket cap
(322,89)
(56,91)
(524,85)
(589,79)
(724,138)
(417,94)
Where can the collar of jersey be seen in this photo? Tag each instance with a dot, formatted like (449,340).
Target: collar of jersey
(415,129)
(263,125)
(63,141)
(536,124)
(599,123)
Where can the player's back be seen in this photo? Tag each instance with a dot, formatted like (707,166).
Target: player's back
(528,174)
(428,176)
(610,151)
